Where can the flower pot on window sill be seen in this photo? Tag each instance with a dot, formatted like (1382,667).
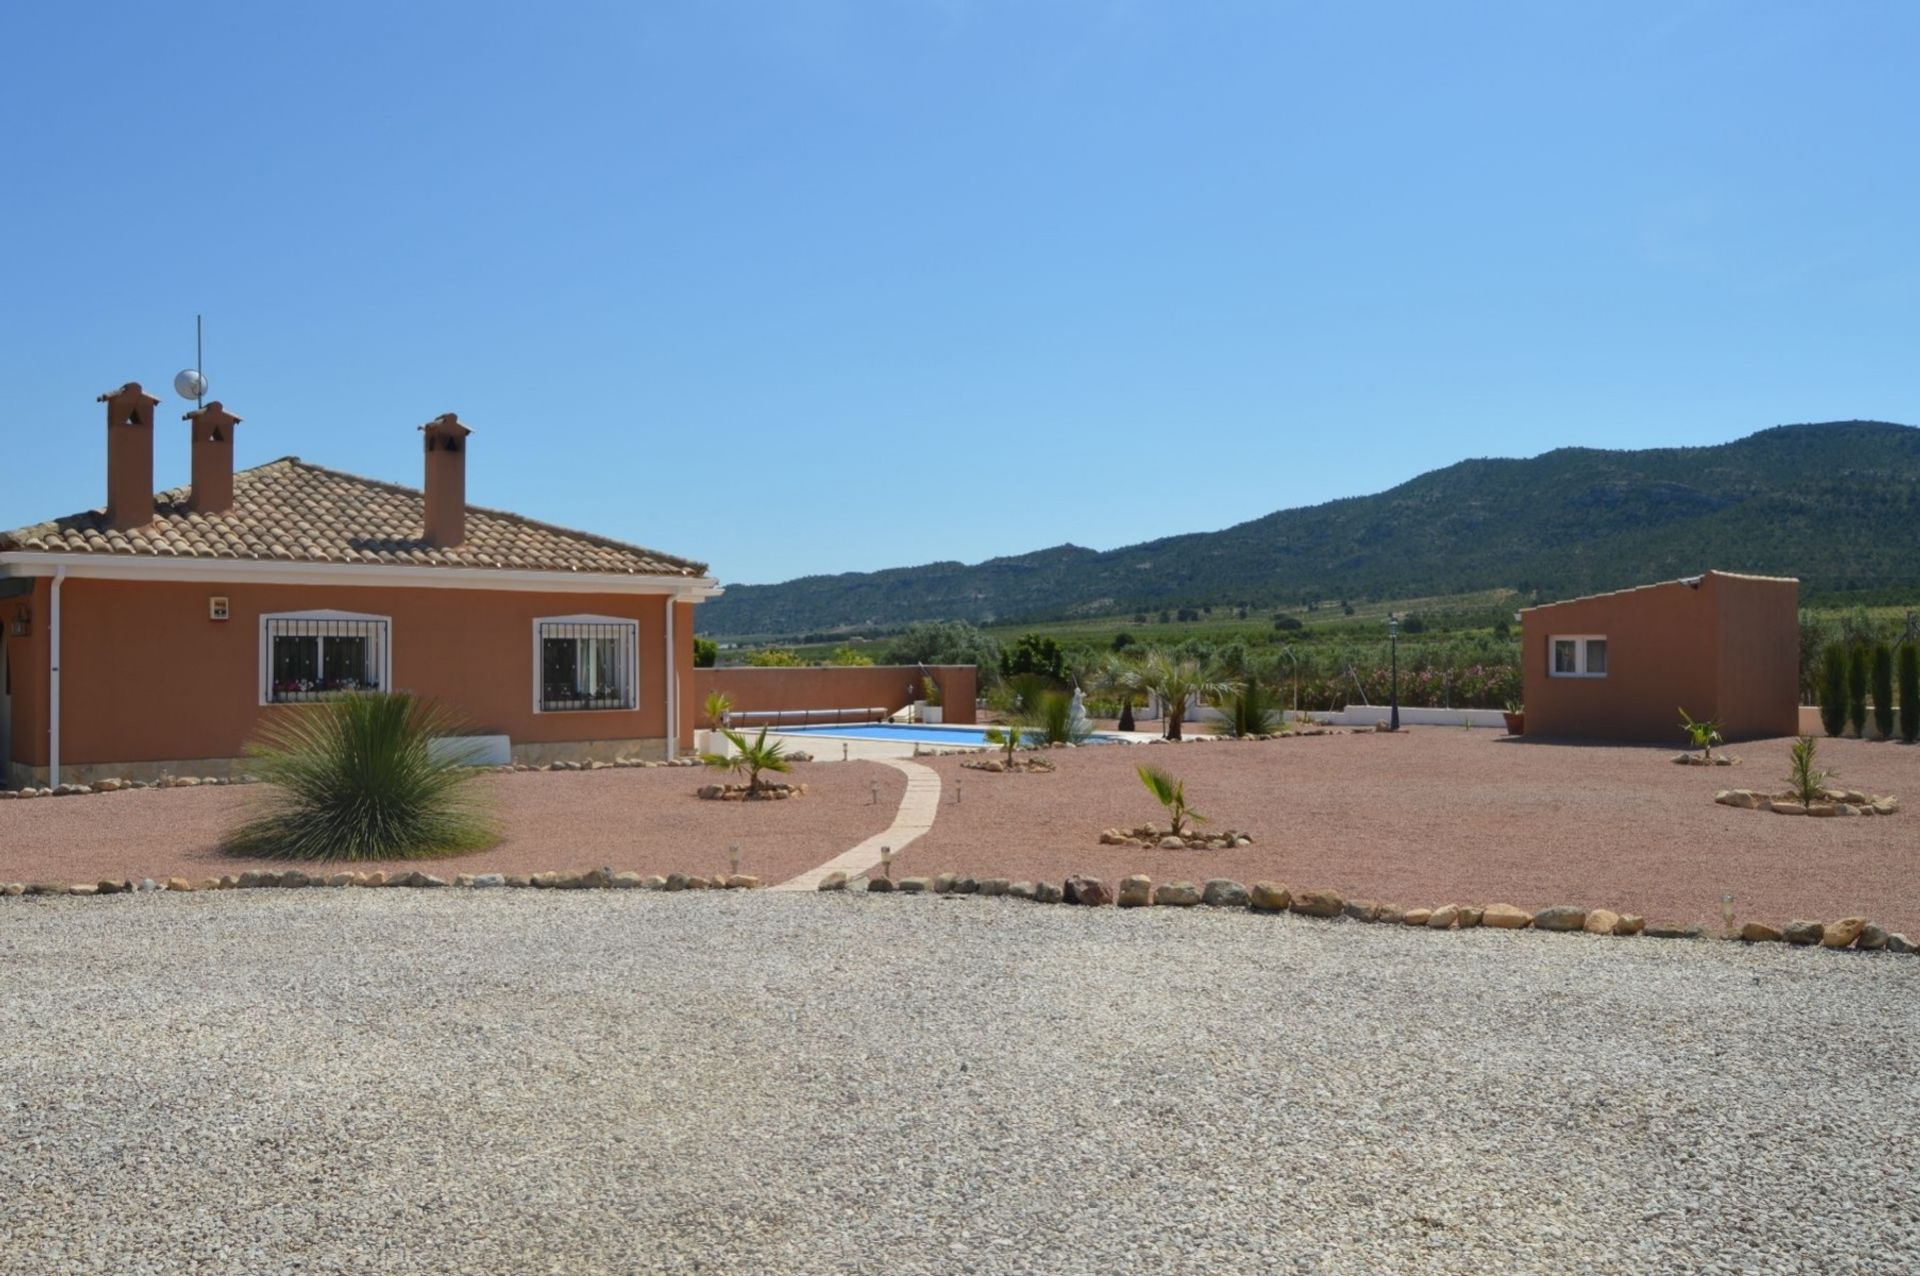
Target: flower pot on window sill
(1516,723)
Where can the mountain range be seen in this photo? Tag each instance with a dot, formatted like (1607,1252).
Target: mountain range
(1836,504)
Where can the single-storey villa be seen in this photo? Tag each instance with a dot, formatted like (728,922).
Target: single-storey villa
(1622,666)
(155,635)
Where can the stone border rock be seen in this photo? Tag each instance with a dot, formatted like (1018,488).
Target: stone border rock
(998,766)
(1839,802)
(112,785)
(1139,891)
(1163,839)
(1694,759)
(769,792)
(293,879)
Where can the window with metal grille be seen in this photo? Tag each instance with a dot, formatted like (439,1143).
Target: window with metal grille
(586,662)
(312,657)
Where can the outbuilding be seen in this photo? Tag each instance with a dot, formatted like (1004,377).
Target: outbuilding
(1622,666)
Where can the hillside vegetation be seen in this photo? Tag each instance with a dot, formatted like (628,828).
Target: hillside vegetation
(1835,504)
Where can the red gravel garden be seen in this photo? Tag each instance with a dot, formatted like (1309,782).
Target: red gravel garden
(1430,816)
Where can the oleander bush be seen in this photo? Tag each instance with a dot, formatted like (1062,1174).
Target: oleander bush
(358,778)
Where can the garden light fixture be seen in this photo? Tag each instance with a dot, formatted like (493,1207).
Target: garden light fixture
(1393,642)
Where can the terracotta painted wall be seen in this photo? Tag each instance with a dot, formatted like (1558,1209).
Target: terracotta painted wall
(891,687)
(1728,649)
(146,676)
(1759,656)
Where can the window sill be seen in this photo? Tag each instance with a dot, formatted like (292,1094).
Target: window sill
(1580,677)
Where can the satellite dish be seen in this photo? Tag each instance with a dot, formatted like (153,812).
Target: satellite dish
(189,384)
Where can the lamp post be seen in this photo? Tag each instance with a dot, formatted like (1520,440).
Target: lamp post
(1393,642)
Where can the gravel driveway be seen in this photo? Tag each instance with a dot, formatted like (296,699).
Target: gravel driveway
(487,1082)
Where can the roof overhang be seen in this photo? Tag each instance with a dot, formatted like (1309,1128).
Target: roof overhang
(253,571)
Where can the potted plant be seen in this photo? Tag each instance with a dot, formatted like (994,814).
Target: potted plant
(713,740)
(1516,718)
(930,709)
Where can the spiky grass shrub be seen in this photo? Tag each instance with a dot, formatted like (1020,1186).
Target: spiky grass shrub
(750,757)
(1909,693)
(357,778)
(1053,719)
(1833,689)
(1883,690)
(1857,689)
(1250,709)
(1805,778)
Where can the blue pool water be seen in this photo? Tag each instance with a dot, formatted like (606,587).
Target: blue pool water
(951,737)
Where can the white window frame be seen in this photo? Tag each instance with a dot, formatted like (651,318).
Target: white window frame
(265,680)
(1579,642)
(633,660)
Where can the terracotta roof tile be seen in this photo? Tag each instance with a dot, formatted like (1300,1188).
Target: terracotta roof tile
(290,511)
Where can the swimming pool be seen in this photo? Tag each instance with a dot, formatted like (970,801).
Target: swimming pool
(908,733)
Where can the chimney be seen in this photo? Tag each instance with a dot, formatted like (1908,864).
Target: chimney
(446,481)
(129,456)
(212,491)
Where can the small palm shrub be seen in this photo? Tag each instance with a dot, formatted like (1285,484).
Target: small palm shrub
(1171,794)
(1857,689)
(1702,733)
(750,758)
(718,705)
(1805,780)
(1883,690)
(1909,693)
(1250,709)
(357,778)
(1833,689)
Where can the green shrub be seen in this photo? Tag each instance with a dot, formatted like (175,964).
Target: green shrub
(1909,692)
(1857,690)
(1053,719)
(1833,689)
(1702,733)
(1883,690)
(775,658)
(1249,708)
(357,778)
(706,653)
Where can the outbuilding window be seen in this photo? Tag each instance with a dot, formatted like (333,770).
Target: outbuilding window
(585,662)
(1577,656)
(315,655)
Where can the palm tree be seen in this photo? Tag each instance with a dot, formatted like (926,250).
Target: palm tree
(750,759)
(1172,794)
(1179,681)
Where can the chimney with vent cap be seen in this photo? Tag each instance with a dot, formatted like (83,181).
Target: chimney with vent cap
(129,456)
(446,442)
(212,491)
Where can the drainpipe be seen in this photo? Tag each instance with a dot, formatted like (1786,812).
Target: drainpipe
(53,687)
(673,687)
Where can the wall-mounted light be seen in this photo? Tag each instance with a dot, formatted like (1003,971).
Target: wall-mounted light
(22,623)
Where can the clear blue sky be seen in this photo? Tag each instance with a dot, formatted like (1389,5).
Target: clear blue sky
(804,286)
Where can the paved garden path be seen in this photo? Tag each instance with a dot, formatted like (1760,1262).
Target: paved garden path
(918,805)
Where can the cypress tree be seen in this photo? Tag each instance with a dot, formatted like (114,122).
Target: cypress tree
(1883,690)
(1909,693)
(1857,690)
(1833,689)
